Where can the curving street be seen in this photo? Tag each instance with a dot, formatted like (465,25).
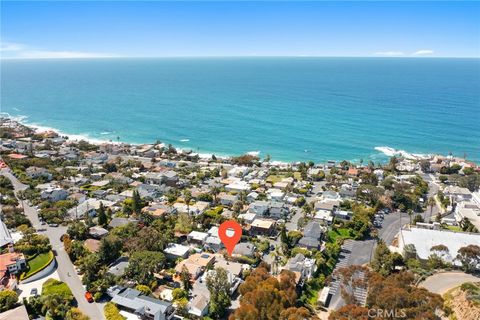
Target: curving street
(65,269)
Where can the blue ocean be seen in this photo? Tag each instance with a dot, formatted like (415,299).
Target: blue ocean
(293,109)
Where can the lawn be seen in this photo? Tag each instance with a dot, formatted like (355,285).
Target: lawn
(55,287)
(274,178)
(339,233)
(454,228)
(38,263)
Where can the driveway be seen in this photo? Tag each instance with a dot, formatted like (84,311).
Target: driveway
(24,289)
(65,269)
(442,282)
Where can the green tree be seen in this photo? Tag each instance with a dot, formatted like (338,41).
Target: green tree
(110,249)
(77,230)
(144,289)
(186,279)
(384,262)
(102,216)
(469,256)
(179,293)
(137,203)
(8,300)
(187,196)
(219,287)
(143,264)
(76,314)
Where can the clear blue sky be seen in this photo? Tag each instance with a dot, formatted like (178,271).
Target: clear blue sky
(146,29)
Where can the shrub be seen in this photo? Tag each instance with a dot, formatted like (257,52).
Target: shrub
(8,299)
(111,312)
(143,289)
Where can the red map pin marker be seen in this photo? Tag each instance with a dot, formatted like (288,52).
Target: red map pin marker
(230,233)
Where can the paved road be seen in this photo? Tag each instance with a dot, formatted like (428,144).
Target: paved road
(442,282)
(65,267)
(391,226)
(433,188)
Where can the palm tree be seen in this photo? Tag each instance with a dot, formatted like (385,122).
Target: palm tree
(187,196)
(215,191)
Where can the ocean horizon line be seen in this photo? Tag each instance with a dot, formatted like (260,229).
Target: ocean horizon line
(120,57)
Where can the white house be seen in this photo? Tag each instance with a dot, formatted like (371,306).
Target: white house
(174,251)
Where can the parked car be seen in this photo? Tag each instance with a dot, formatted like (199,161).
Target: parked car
(34,292)
(88,296)
(53,225)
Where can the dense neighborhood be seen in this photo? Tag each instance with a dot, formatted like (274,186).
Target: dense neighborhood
(125,231)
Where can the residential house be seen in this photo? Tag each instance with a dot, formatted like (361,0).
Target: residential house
(259,208)
(5,236)
(54,194)
(457,194)
(214,244)
(304,266)
(227,199)
(469,210)
(311,236)
(244,249)
(174,251)
(199,207)
(146,307)
(118,267)
(92,245)
(88,207)
(238,186)
(198,306)
(37,172)
(196,264)
(150,190)
(252,196)
(277,210)
(248,218)
(197,237)
(275,194)
(119,222)
(11,264)
(262,227)
(97,232)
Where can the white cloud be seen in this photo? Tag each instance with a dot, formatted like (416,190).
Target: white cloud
(389,53)
(12,50)
(10,46)
(39,54)
(422,52)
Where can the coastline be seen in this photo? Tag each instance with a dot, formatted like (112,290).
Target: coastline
(384,151)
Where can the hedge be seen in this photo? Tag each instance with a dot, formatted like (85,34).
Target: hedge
(111,312)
